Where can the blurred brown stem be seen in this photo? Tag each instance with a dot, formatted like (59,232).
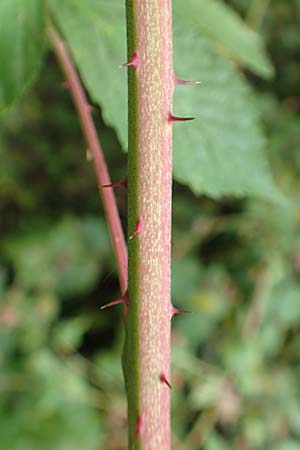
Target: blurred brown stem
(93,143)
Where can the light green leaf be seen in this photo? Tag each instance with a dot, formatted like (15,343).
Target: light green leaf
(220,23)
(95,31)
(21,46)
(219,154)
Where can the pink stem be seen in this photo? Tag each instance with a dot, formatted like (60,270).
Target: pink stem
(89,131)
(147,346)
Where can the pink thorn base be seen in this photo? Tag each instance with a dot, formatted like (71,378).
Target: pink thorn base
(90,108)
(137,230)
(179,311)
(133,62)
(172,118)
(138,429)
(123,300)
(163,379)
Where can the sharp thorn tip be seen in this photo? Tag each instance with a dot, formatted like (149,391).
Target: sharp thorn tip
(178,81)
(123,299)
(173,118)
(137,230)
(133,62)
(163,379)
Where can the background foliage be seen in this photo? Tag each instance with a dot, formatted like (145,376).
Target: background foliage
(236,235)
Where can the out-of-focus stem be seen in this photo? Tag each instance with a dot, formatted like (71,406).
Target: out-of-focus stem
(94,147)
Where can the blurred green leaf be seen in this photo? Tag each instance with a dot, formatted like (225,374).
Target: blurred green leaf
(95,31)
(56,411)
(215,442)
(65,258)
(185,279)
(198,291)
(207,394)
(223,25)
(283,306)
(21,46)
(222,151)
(290,444)
(68,333)
(108,370)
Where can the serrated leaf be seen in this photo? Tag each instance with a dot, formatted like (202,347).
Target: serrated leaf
(223,25)
(21,46)
(95,31)
(219,154)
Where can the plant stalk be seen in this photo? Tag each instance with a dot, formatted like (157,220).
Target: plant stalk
(94,146)
(146,357)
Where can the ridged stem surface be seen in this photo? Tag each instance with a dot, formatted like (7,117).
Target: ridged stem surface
(147,348)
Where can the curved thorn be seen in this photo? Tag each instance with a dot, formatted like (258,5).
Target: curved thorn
(172,118)
(123,299)
(137,230)
(133,62)
(163,379)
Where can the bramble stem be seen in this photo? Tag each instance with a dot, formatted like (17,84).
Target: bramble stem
(146,357)
(93,143)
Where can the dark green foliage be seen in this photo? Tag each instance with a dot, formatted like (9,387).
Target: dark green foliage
(22,31)
(236,262)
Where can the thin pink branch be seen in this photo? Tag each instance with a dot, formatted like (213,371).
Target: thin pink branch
(93,143)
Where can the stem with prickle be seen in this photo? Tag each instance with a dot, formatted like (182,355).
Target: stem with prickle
(105,186)
(146,357)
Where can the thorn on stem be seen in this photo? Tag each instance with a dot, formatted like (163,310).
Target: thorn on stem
(172,118)
(123,299)
(122,183)
(89,108)
(138,429)
(163,379)
(133,62)
(179,311)
(137,230)
(178,81)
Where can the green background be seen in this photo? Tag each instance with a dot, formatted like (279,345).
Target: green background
(236,229)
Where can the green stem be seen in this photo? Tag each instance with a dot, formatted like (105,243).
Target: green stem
(146,357)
